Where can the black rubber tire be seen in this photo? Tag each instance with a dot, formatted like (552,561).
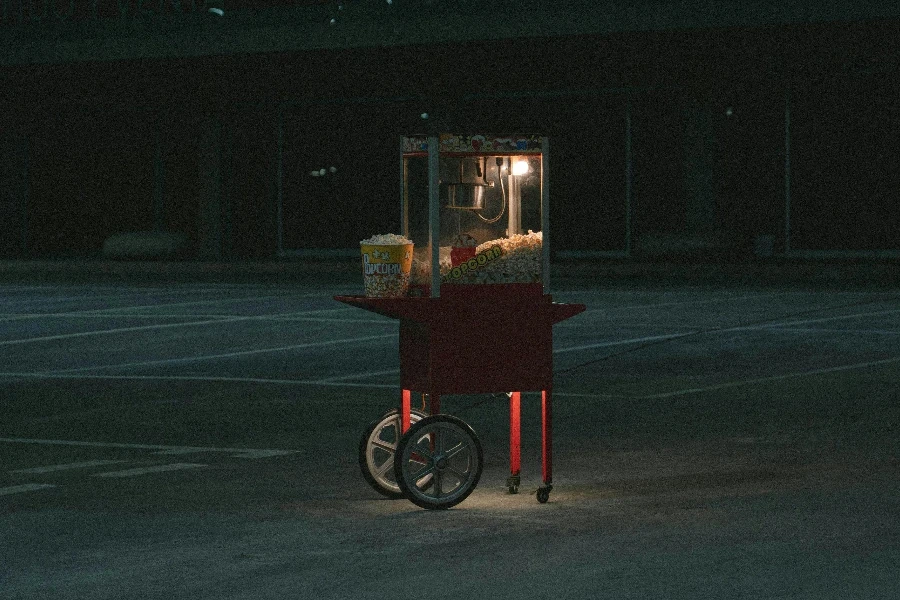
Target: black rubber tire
(382,487)
(406,479)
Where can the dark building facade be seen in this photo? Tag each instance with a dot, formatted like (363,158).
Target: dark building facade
(720,131)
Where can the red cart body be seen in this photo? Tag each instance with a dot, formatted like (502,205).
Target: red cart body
(478,339)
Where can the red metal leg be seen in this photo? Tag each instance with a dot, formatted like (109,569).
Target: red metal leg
(404,410)
(435,403)
(515,433)
(546,437)
(515,442)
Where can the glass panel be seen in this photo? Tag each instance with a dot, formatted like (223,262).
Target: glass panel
(490,210)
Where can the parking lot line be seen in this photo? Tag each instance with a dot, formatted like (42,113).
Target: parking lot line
(235,452)
(148,470)
(120,330)
(188,359)
(191,378)
(774,325)
(294,316)
(67,466)
(825,330)
(651,338)
(112,311)
(357,376)
(771,378)
(25,487)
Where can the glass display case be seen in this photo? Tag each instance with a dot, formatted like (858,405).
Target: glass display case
(484,199)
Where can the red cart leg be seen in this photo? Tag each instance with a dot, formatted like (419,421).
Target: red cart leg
(404,410)
(515,442)
(435,403)
(543,493)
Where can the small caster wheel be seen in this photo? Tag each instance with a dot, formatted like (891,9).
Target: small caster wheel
(438,462)
(376,451)
(543,494)
(512,483)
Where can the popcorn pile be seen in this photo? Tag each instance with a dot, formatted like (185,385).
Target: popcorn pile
(387,239)
(520,262)
(420,273)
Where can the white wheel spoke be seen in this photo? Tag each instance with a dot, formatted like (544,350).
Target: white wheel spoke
(388,446)
(438,492)
(419,475)
(426,452)
(456,450)
(385,468)
(459,476)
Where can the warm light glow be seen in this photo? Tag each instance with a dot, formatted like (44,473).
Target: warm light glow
(520,167)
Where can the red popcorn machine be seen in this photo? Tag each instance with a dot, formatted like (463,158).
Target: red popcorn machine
(474,309)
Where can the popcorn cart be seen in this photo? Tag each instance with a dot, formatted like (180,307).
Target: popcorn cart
(468,281)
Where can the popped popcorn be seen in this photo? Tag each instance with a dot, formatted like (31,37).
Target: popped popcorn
(520,261)
(386,265)
(394,286)
(387,239)
(421,265)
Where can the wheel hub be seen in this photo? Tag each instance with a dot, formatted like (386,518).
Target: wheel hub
(441,463)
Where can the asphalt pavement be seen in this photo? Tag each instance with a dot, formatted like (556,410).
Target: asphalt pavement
(177,439)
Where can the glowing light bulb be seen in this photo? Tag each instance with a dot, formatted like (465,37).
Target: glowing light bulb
(520,167)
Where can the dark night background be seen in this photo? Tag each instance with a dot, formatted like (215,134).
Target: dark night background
(724,188)
(134,134)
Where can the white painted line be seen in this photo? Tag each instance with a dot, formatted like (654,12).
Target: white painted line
(668,304)
(124,294)
(291,317)
(594,395)
(384,321)
(821,320)
(734,384)
(357,376)
(10,316)
(651,338)
(191,378)
(113,311)
(67,466)
(120,330)
(247,454)
(236,452)
(189,359)
(148,470)
(25,487)
(700,331)
(824,330)
(183,451)
(107,311)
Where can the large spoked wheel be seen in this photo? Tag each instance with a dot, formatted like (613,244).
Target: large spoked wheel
(438,462)
(376,451)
